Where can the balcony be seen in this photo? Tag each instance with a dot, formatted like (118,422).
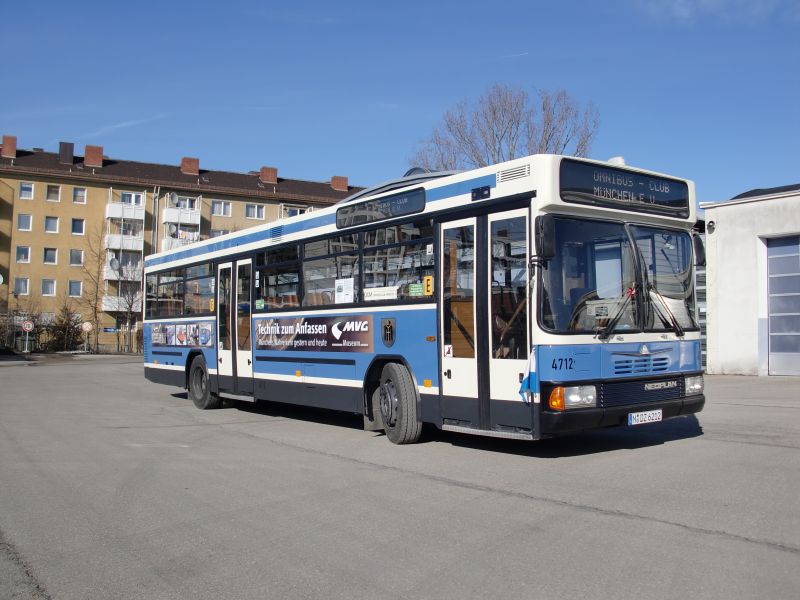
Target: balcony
(185,216)
(169,243)
(117,304)
(125,212)
(116,241)
(128,273)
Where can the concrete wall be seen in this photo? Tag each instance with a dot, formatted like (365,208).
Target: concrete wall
(736,272)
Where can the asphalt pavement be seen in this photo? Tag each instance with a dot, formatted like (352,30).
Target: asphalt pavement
(114,487)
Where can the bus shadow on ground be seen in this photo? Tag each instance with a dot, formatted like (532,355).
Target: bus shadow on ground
(296,412)
(579,444)
(591,442)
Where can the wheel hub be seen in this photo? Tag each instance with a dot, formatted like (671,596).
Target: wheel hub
(389,403)
(200,381)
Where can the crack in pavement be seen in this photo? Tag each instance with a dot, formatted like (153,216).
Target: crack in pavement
(18,579)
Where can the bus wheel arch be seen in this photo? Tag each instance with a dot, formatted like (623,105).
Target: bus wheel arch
(199,384)
(188,366)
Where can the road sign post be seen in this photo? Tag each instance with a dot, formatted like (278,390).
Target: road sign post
(27,327)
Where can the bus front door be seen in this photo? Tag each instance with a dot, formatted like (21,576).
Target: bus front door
(485,322)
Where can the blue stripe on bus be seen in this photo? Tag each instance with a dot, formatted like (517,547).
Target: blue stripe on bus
(412,330)
(584,362)
(459,188)
(432,195)
(244,239)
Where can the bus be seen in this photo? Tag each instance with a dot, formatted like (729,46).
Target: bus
(542,296)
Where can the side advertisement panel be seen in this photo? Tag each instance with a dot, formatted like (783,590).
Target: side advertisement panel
(351,333)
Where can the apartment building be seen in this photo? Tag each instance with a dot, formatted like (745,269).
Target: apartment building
(75,229)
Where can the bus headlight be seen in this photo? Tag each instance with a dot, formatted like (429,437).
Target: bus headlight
(694,385)
(579,396)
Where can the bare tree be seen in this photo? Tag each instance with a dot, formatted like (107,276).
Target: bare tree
(130,297)
(94,262)
(507,123)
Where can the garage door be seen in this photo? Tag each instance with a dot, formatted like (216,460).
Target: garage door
(784,305)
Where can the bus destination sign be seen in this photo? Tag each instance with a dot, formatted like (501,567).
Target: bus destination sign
(396,205)
(588,183)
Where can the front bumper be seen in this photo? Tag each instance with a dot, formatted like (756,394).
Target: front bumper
(569,421)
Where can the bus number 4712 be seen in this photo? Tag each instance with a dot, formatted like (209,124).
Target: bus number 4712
(562,364)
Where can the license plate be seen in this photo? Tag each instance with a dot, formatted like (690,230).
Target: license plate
(648,416)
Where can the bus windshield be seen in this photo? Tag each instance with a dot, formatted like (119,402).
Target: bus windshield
(591,285)
(667,264)
(591,280)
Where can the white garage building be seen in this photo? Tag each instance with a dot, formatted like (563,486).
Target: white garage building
(753,283)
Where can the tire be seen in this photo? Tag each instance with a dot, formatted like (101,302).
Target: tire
(199,390)
(397,400)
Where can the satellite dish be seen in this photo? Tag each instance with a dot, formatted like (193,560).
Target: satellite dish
(114,264)
(173,198)
(172,229)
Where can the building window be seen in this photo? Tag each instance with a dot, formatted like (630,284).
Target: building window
(47,318)
(132,198)
(50,256)
(75,288)
(130,262)
(131,227)
(186,202)
(23,254)
(24,222)
(292,211)
(130,290)
(51,224)
(78,226)
(218,232)
(254,211)
(79,195)
(21,286)
(190,233)
(54,193)
(220,208)
(75,257)
(25,191)
(48,287)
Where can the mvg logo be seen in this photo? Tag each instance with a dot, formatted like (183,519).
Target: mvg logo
(338,329)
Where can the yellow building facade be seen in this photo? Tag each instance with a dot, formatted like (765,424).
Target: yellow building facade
(74,230)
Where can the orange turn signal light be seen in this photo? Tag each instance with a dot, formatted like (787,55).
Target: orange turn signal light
(556,400)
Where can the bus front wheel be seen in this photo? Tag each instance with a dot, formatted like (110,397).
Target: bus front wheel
(398,405)
(199,388)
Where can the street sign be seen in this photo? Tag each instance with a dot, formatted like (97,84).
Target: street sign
(27,326)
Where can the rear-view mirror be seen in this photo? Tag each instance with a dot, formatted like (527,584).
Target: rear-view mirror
(545,237)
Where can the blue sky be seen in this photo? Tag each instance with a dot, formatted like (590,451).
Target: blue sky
(708,90)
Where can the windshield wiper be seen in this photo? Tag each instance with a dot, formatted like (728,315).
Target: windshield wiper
(604,333)
(675,325)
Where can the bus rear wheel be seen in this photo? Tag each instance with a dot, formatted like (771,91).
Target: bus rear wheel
(199,388)
(398,405)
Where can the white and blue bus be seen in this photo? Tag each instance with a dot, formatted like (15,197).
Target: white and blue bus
(541,296)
